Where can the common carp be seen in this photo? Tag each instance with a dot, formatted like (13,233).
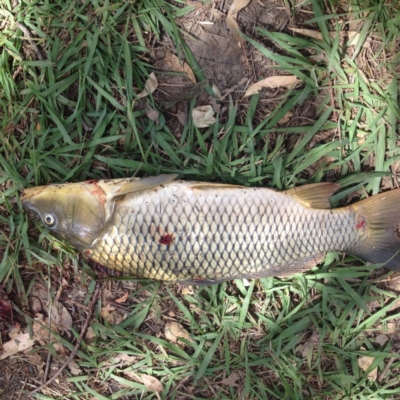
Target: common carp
(195,232)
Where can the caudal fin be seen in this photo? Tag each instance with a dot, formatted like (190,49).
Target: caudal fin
(382,219)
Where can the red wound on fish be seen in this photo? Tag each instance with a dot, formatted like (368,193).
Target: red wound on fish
(361,224)
(167,239)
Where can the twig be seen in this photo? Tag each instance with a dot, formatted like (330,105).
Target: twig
(75,349)
(385,371)
(46,372)
(27,33)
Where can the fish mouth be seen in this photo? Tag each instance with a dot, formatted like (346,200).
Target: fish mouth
(28,195)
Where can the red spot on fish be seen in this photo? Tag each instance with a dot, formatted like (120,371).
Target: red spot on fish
(361,224)
(167,239)
(92,181)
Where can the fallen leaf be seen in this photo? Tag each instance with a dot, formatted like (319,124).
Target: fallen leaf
(231,19)
(150,86)
(231,379)
(106,314)
(149,381)
(152,383)
(179,66)
(153,115)
(181,115)
(216,91)
(125,359)
(61,317)
(37,297)
(364,363)
(37,361)
(74,368)
(174,330)
(21,343)
(272,82)
(122,299)
(90,335)
(39,300)
(388,328)
(187,290)
(286,118)
(14,332)
(203,116)
(349,37)
(381,339)
(10,128)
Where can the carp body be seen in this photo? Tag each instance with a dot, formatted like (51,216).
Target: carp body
(194,232)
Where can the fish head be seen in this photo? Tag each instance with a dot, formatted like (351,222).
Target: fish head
(75,212)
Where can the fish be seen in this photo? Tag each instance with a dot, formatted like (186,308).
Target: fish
(167,229)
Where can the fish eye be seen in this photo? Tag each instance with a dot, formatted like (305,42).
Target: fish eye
(49,220)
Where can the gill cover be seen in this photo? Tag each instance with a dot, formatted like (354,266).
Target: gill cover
(74,212)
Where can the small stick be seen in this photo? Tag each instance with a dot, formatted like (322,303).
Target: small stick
(46,372)
(26,32)
(75,349)
(385,371)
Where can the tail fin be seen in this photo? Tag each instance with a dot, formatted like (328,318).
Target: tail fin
(382,217)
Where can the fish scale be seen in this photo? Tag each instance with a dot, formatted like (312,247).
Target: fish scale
(207,234)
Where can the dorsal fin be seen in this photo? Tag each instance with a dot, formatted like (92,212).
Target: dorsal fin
(207,185)
(314,195)
(133,186)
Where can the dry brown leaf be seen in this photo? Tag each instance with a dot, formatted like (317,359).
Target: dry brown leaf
(364,363)
(106,313)
(61,317)
(14,332)
(231,379)
(173,62)
(351,38)
(394,281)
(181,115)
(74,368)
(272,82)
(203,116)
(149,381)
(381,339)
(187,290)
(150,86)
(388,328)
(231,19)
(38,296)
(90,335)
(125,359)
(152,383)
(21,343)
(216,91)
(40,329)
(286,118)
(122,299)
(37,361)
(153,115)
(174,330)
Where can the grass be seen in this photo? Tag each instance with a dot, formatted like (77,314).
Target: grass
(73,116)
